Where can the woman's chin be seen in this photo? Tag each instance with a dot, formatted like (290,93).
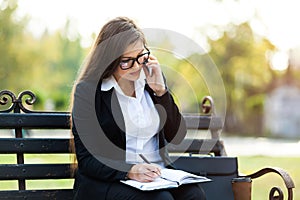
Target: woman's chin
(134,76)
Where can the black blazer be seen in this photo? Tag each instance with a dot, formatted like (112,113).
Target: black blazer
(92,177)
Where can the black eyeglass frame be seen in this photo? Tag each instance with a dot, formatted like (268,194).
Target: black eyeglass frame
(136,59)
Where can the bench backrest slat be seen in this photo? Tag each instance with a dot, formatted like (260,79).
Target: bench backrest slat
(35,120)
(56,145)
(198,146)
(34,171)
(203,122)
(62,121)
(34,145)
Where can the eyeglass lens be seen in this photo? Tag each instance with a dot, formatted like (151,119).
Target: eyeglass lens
(140,59)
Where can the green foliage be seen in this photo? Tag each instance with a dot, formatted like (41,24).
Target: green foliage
(47,66)
(11,38)
(184,80)
(241,58)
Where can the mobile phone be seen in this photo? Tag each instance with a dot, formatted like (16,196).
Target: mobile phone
(149,69)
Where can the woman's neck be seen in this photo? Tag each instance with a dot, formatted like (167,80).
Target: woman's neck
(126,86)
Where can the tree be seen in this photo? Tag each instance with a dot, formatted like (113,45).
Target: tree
(11,49)
(47,65)
(241,58)
(62,58)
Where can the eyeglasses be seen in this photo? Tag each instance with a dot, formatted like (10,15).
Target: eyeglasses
(140,59)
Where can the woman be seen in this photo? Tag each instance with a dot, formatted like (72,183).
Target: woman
(137,116)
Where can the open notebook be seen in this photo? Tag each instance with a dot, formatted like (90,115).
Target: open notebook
(169,178)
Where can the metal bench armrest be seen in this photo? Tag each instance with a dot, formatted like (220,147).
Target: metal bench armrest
(284,175)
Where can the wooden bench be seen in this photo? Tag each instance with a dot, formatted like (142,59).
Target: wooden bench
(205,156)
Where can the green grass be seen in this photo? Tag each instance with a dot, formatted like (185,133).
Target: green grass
(247,165)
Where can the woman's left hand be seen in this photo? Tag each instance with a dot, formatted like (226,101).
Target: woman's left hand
(156,80)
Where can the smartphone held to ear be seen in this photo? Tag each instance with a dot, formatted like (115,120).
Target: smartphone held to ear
(149,69)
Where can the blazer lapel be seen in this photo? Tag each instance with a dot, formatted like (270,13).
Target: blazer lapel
(110,100)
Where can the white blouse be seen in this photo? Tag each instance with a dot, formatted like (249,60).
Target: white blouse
(141,121)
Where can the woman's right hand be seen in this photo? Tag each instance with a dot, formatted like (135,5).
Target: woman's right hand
(144,172)
(156,80)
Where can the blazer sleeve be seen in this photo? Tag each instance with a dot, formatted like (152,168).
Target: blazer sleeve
(92,167)
(174,125)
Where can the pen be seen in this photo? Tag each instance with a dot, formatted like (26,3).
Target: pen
(148,162)
(144,158)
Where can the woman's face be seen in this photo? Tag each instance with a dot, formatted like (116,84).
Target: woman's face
(133,73)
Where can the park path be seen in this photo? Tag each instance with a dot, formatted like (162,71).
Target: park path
(249,146)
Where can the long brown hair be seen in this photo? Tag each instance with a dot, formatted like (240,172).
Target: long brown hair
(111,42)
(108,43)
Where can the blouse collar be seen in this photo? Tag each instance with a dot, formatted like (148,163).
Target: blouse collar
(111,82)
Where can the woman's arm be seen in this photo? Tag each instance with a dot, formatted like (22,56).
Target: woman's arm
(92,167)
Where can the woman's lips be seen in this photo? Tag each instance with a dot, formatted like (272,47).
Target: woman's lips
(135,73)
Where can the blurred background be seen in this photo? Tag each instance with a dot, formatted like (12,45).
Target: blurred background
(255,45)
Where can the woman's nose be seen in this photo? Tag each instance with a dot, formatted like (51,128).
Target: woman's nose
(136,65)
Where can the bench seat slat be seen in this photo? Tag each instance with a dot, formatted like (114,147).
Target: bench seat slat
(34,145)
(62,194)
(34,171)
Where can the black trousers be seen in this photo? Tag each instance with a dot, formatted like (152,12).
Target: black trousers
(120,191)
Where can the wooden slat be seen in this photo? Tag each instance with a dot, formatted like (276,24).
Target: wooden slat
(35,120)
(46,171)
(207,165)
(198,146)
(34,145)
(34,171)
(61,121)
(61,194)
(203,122)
